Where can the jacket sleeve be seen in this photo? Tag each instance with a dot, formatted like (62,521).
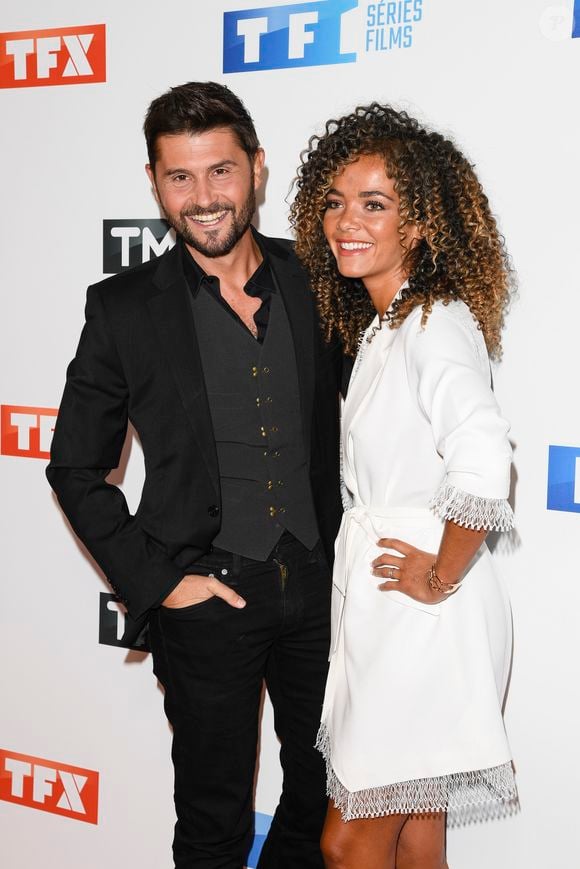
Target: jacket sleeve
(449,369)
(87,443)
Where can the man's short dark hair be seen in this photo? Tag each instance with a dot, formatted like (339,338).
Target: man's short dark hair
(197,107)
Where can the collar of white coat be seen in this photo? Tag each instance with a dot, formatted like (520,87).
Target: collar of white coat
(376,323)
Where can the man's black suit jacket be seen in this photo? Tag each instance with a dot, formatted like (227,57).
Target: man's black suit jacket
(138,359)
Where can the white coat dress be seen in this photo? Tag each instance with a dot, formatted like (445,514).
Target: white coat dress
(412,716)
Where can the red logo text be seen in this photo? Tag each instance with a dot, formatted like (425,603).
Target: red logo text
(64,55)
(26,431)
(51,787)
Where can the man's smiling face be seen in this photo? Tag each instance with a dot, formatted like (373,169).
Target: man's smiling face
(206,184)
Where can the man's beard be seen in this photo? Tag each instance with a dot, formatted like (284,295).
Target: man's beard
(213,245)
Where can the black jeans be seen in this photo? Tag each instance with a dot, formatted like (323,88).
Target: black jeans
(212,660)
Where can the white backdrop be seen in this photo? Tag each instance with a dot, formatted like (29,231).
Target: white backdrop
(501,77)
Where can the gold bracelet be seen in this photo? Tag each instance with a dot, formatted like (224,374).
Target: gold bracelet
(435,583)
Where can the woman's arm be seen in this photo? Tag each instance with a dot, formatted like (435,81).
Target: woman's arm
(448,373)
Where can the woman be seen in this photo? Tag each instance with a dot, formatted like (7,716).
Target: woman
(391,221)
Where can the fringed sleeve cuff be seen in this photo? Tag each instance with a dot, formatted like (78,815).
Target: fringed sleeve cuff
(472,511)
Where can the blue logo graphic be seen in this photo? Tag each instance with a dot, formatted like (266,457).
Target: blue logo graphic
(392,25)
(576,20)
(278,37)
(262,825)
(564,479)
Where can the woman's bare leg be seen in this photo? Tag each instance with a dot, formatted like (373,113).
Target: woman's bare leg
(364,843)
(421,842)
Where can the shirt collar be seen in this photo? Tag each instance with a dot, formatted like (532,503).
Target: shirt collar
(260,282)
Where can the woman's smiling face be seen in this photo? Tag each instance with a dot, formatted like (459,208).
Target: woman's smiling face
(361,225)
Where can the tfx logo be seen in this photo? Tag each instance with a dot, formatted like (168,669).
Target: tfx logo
(60,56)
(564,479)
(128,243)
(58,788)
(278,37)
(26,431)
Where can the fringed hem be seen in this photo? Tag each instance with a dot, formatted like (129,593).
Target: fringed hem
(471,511)
(466,797)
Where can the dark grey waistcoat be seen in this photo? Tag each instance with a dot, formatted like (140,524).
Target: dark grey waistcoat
(255,409)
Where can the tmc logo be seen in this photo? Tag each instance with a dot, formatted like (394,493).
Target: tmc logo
(117,628)
(51,787)
(64,55)
(277,37)
(128,243)
(564,479)
(26,431)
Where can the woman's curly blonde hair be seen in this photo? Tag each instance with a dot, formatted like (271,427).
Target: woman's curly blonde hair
(461,254)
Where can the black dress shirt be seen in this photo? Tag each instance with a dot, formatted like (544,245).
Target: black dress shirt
(259,286)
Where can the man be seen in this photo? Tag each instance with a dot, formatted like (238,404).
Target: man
(214,354)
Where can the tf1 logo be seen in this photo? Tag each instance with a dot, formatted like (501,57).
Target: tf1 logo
(128,243)
(26,431)
(261,826)
(564,479)
(63,55)
(53,787)
(278,37)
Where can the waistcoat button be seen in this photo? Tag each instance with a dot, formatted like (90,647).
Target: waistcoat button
(213,510)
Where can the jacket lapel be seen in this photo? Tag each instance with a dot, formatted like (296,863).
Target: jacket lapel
(172,317)
(299,303)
